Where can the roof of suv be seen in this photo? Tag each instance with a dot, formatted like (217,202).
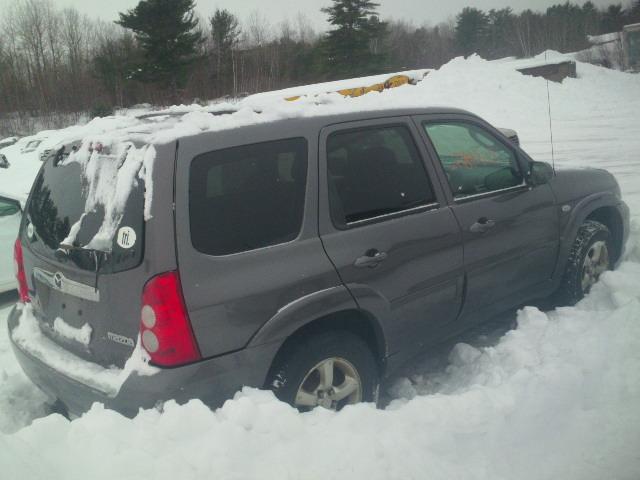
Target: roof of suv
(370,114)
(316,121)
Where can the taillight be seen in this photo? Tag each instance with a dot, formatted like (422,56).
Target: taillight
(21,276)
(165,328)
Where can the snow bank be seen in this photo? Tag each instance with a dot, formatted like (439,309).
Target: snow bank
(558,397)
(20,400)
(320,88)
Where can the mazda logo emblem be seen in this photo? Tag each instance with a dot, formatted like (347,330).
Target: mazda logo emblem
(57,280)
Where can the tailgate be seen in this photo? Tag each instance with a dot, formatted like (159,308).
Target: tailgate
(83,245)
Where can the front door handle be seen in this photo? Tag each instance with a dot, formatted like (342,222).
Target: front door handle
(482,225)
(372,258)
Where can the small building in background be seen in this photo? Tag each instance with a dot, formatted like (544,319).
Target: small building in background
(631,47)
(606,50)
(619,50)
(554,71)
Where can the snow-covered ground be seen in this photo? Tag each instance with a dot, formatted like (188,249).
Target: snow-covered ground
(556,397)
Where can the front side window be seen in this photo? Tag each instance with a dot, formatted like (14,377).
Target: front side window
(247,197)
(373,172)
(474,161)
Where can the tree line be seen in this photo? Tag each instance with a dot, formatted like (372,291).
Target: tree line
(57,61)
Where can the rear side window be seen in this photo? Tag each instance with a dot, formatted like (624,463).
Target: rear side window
(247,197)
(373,172)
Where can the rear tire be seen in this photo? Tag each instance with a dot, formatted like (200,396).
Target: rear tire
(329,369)
(590,256)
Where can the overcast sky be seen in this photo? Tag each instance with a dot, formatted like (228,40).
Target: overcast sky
(418,11)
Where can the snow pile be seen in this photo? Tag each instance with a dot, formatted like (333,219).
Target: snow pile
(558,397)
(20,400)
(326,87)
(106,380)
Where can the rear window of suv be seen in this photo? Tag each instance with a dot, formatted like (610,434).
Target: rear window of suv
(56,209)
(247,197)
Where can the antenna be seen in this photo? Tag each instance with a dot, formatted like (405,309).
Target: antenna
(553,157)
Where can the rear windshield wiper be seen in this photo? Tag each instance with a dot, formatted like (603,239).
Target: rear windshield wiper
(99,257)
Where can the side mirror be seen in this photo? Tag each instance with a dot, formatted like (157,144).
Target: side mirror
(512,135)
(4,163)
(9,207)
(540,173)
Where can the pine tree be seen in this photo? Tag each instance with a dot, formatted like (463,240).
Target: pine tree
(166,30)
(225,31)
(633,14)
(591,18)
(353,47)
(471,30)
(613,19)
(500,31)
(115,59)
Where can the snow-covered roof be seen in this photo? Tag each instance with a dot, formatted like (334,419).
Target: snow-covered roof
(605,38)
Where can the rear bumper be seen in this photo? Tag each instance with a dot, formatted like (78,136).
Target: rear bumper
(213,380)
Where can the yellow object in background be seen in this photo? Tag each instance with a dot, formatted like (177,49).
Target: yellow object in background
(392,82)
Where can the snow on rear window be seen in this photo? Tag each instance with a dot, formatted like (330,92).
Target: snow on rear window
(146,174)
(110,172)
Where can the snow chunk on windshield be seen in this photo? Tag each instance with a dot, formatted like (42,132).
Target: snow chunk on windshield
(29,337)
(110,171)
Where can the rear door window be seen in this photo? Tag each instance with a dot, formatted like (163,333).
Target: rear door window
(374,172)
(247,197)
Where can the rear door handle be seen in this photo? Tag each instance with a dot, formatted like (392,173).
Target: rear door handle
(482,225)
(372,258)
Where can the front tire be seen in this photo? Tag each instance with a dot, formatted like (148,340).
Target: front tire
(590,257)
(329,369)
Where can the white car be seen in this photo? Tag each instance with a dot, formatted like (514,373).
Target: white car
(10,215)
(24,148)
(6,142)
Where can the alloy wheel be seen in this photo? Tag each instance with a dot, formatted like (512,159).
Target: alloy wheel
(596,262)
(332,383)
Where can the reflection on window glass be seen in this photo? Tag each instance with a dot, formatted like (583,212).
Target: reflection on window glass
(475,162)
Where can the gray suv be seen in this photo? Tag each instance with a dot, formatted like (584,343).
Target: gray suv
(309,256)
